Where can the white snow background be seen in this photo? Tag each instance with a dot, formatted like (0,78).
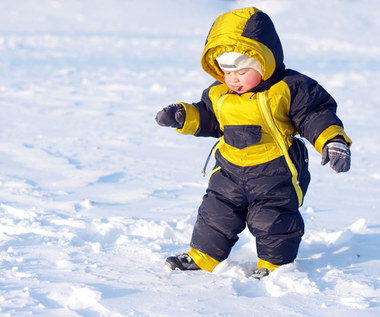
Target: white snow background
(95,195)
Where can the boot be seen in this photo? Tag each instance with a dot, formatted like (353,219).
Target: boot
(260,273)
(181,262)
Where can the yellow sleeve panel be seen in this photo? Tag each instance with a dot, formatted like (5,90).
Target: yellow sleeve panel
(204,261)
(329,133)
(191,124)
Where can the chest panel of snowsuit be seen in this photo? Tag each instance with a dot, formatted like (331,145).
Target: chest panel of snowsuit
(247,139)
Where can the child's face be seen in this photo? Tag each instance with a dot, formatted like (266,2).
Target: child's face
(242,80)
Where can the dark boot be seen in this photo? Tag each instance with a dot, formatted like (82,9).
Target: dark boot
(181,262)
(260,273)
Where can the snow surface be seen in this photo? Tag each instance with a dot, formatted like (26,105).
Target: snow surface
(94,195)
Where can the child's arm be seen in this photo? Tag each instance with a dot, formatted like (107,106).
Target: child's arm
(313,113)
(196,119)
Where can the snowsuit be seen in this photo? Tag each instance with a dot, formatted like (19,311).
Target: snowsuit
(261,173)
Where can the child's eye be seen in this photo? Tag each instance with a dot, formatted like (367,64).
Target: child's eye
(242,72)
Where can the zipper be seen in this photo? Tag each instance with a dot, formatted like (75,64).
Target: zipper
(281,143)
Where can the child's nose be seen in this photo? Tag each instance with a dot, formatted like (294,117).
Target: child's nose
(235,78)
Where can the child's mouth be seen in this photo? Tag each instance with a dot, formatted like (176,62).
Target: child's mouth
(238,89)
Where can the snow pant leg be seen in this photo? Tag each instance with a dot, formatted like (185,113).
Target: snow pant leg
(278,227)
(221,217)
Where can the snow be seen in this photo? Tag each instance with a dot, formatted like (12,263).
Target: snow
(94,195)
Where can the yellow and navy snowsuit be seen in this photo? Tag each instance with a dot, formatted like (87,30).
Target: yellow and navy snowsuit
(261,173)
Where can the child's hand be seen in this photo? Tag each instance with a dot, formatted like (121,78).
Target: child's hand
(339,156)
(172,116)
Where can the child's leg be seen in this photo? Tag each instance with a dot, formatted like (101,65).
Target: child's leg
(273,216)
(221,217)
(278,227)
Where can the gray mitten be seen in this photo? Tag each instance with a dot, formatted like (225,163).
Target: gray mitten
(339,156)
(172,116)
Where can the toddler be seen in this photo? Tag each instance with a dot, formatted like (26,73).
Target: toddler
(256,108)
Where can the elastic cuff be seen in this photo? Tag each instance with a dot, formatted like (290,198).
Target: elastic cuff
(262,263)
(329,133)
(191,123)
(204,261)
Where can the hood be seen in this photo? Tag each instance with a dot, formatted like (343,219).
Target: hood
(248,31)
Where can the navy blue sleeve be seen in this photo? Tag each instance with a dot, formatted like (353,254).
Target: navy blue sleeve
(312,108)
(208,125)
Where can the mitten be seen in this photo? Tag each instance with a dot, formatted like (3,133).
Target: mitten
(172,116)
(339,156)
